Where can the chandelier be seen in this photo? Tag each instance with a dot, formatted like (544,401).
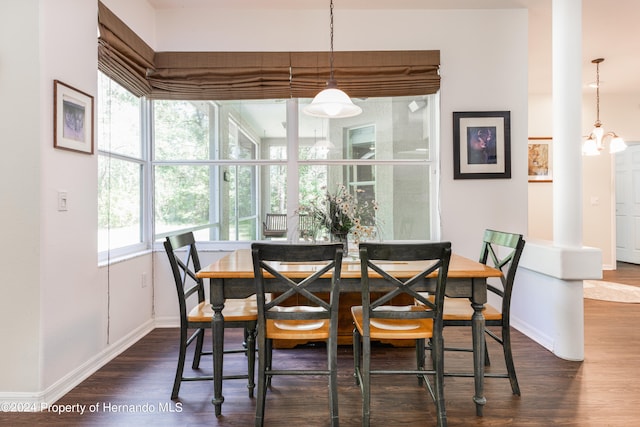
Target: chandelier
(594,143)
(332,102)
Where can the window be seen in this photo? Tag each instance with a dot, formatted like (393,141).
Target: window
(121,170)
(385,154)
(214,169)
(220,167)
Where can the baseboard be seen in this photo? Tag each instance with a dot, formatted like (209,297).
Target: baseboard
(168,322)
(33,402)
(532,333)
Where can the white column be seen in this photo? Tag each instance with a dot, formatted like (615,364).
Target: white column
(567,122)
(552,272)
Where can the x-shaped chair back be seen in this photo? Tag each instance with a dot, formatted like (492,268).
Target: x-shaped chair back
(373,256)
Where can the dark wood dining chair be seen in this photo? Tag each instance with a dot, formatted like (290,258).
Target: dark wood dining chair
(196,314)
(378,319)
(502,251)
(314,319)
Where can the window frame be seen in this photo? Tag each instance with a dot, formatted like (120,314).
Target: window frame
(145,220)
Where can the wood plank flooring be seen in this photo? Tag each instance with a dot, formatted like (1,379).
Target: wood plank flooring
(603,390)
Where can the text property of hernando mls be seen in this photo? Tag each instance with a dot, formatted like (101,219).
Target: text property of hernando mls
(82,408)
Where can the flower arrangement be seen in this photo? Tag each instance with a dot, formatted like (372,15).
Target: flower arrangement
(340,215)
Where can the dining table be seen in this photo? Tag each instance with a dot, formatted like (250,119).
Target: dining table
(232,277)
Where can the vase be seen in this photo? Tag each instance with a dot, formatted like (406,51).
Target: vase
(341,237)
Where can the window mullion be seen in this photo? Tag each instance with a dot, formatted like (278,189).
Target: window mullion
(293,186)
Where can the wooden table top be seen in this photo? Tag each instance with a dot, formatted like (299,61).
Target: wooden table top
(238,265)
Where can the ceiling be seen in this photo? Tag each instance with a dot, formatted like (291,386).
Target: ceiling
(609,32)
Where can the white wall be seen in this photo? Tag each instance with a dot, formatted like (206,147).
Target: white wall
(20,254)
(61,319)
(80,315)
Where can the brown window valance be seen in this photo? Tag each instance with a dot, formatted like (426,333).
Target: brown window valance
(220,75)
(367,73)
(126,58)
(122,55)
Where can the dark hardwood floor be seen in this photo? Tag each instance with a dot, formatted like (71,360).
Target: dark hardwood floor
(602,390)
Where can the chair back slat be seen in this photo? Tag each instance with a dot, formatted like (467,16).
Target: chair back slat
(502,250)
(265,254)
(372,258)
(184,269)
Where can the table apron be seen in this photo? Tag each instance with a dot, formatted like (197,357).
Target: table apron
(236,288)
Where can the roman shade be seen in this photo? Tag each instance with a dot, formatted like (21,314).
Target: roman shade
(127,59)
(220,75)
(367,73)
(122,55)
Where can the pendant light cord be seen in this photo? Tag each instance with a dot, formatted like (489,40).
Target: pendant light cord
(598,92)
(331,40)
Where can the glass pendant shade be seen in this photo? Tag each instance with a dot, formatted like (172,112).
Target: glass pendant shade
(332,103)
(590,147)
(617,145)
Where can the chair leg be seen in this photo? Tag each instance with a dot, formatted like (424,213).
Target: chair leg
(420,358)
(198,350)
(332,362)
(508,359)
(438,362)
(251,358)
(262,380)
(356,355)
(268,359)
(487,361)
(182,354)
(366,380)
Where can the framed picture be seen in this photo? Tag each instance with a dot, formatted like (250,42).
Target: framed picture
(482,145)
(540,159)
(72,119)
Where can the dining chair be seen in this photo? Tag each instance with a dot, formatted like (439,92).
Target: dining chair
(377,319)
(196,314)
(500,250)
(314,319)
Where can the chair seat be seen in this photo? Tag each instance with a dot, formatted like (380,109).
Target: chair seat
(397,329)
(460,309)
(314,329)
(234,310)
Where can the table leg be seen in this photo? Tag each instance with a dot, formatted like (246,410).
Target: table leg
(217,328)
(477,326)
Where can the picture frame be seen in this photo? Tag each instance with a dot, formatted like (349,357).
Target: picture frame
(482,145)
(73,116)
(540,164)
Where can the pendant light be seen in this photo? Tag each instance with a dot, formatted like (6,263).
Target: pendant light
(594,143)
(332,102)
